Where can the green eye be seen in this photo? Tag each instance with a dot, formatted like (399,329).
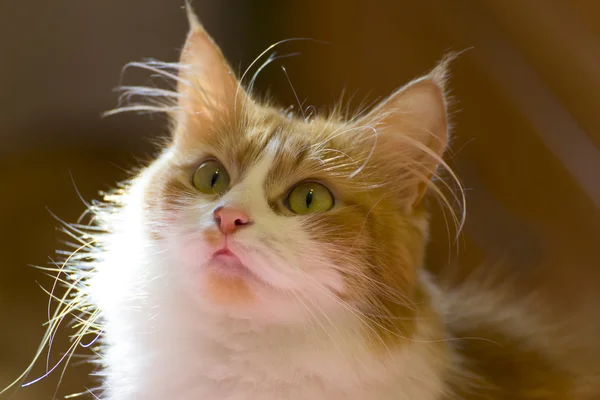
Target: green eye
(211,178)
(309,198)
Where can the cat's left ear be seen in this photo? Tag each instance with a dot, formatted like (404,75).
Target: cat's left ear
(412,132)
(207,86)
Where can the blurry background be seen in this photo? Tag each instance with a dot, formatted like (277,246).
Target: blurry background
(527,123)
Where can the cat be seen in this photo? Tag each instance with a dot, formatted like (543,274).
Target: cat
(266,256)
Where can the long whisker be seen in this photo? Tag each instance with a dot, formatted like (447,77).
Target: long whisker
(357,314)
(317,320)
(300,107)
(271,59)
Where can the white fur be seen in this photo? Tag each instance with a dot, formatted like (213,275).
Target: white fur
(163,341)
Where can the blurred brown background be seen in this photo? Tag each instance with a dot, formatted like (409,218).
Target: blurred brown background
(526,140)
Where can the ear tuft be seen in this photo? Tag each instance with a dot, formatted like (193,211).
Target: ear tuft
(208,90)
(441,73)
(193,20)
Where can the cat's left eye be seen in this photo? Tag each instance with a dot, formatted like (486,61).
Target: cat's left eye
(309,198)
(211,178)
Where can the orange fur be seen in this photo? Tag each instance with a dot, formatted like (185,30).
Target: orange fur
(212,236)
(228,291)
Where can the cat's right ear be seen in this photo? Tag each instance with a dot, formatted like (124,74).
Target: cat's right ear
(207,87)
(412,132)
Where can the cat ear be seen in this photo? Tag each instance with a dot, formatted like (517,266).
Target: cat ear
(412,130)
(207,86)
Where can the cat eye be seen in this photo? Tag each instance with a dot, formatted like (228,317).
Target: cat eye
(309,198)
(211,178)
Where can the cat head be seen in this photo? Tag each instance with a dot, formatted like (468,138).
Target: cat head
(267,215)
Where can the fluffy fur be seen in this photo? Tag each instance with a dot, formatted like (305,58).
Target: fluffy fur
(336,305)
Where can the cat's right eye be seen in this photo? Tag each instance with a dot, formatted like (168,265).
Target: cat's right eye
(211,177)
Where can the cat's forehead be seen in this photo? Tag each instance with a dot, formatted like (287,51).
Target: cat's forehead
(296,149)
(286,140)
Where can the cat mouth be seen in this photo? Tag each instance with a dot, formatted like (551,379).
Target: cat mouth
(225,263)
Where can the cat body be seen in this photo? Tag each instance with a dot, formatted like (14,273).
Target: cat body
(264,256)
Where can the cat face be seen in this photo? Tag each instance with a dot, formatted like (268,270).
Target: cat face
(263,215)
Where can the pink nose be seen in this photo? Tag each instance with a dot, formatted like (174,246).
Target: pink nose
(229,219)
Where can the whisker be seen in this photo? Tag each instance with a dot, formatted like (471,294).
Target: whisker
(294,91)
(271,59)
(261,55)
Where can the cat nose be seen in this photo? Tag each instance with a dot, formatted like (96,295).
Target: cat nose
(229,219)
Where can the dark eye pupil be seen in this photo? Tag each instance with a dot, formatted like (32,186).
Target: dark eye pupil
(309,198)
(214,178)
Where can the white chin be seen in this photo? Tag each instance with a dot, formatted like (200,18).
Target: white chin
(234,291)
